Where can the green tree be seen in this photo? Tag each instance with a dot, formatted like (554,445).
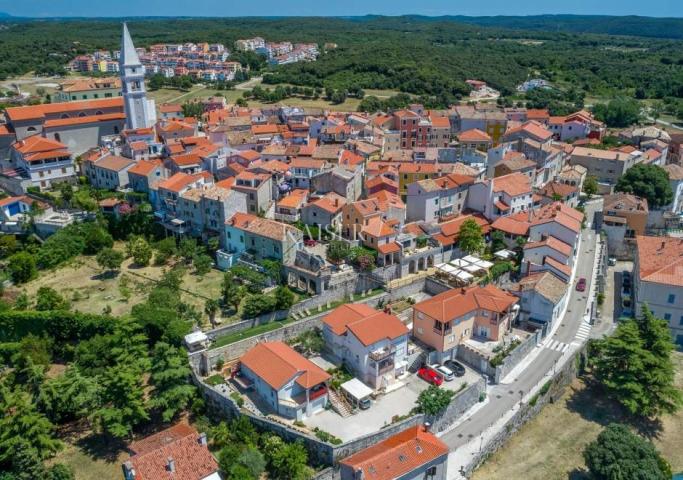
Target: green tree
(141,251)
(590,185)
(202,264)
(211,308)
(8,245)
(188,249)
(22,267)
(288,461)
(232,293)
(47,298)
(96,238)
(647,181)
(284,298)
(165,250)
(258,304)
(618,113)
(123,401)
(338,250)
(619,454)
(70,396)
(434,400)
(170,378)
(470,237)
(639,379)
(656,110)
(109,259)
(497,241)
(23,426)
(251,461)
(61,471)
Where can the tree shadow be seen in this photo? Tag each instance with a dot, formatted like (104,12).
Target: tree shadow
(594,404)
(101,447)
(106,275)
(578,474)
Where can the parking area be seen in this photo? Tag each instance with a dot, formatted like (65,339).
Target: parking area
(397,402)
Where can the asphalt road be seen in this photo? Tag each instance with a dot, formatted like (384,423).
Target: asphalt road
(504,397)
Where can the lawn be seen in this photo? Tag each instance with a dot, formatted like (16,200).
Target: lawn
(551,445)
(88,461)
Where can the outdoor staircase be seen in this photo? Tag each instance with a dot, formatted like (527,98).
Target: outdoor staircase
(339,404)
(416,361)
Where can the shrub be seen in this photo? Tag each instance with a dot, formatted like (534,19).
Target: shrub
(22,267)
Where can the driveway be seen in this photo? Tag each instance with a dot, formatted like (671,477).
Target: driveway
(398,402)
(611,307)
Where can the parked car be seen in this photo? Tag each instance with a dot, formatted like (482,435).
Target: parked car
(310,242)
(365,403)
(430,376)
(611,261)
(457,368)
(445,372)
(581,285)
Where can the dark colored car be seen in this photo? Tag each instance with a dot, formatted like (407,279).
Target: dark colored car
(581,285)
(310,242)
(455,367)
(430,376)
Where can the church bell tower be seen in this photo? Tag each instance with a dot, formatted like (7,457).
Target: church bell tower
(140,112)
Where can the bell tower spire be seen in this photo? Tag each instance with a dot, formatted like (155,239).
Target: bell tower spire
(140,112)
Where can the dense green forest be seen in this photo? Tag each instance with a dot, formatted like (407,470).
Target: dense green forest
(417,55)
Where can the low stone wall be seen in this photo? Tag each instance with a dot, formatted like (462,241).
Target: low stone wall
(462,402)
(565,375)
(517,355)
(230,352)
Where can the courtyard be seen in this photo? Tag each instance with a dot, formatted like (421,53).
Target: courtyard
(396,403)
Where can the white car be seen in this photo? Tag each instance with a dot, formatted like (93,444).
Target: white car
(445,372)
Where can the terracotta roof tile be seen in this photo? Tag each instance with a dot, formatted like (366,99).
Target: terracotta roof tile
(367,324)
(276,363)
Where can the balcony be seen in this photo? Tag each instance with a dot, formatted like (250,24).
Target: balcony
(381,354)
(286,217)
(313,394)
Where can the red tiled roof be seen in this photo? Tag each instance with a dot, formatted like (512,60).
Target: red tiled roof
(457,302)
(367,324)
(514,184)
(64,122)
(474,135)
(398,455)
(553,243)
(40,111)
(660,260)
(276,363)
(177,182)
(144,167)
(193,461)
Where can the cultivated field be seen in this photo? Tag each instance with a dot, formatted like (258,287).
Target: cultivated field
(550,447)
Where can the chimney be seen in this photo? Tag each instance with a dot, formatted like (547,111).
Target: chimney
(202,439)
(358,474)
(128,470)
(170,464)
(427,426)
(663,245)
(336,202)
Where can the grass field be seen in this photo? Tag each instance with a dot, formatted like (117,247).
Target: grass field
(550,447)
(82,283)
(169,95)
(88,465)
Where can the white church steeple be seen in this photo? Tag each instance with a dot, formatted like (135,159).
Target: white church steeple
(140,112)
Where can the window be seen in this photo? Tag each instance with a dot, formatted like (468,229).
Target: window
(680,321)
(667,316)
(671,299)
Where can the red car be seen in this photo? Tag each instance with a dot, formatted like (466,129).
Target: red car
(430,376)
(310,242)
(581,285)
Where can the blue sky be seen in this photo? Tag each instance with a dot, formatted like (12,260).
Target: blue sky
(126,8)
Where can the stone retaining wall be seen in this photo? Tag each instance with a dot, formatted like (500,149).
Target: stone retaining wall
(517,355)
(462,402)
